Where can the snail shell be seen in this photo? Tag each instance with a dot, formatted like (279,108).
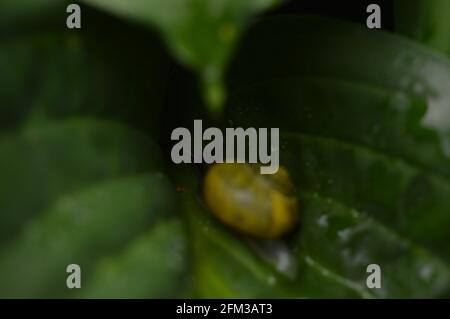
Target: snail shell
(263,206)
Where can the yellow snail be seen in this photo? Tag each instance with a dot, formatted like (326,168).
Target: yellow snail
(262,206)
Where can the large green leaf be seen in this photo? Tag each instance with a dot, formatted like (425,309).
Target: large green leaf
(201,33)
(413,202)
(365,137)
(334,245)
(385,120)
(44,161)
(80,228)
(288,47)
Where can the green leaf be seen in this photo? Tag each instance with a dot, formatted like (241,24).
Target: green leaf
(200,33)
(81,189)
(392,121)
(334,245)
(288,47)
(152,266)
(426,21)
(42,162)
(412,201)
(365,138)
(49,71)
(80,228)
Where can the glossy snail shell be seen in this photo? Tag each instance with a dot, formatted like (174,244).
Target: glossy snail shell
(263,206)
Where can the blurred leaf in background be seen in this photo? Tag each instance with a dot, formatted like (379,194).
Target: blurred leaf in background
(154,266)
(42,162)
(201,33)
(426,21)
(49,71)
(81,174)
(81,228)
